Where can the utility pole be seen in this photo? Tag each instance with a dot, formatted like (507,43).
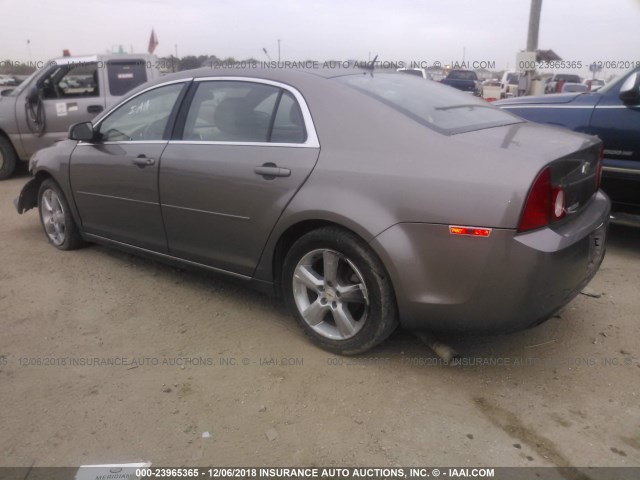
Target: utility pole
(278,50)
(534,25)
(532,40)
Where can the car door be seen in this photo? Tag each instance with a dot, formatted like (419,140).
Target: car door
(246,147)
(617,123)
(115,178)
(67,94)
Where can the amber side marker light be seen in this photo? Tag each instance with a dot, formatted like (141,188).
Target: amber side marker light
(469,231)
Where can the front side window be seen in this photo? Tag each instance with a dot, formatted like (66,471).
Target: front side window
(71,81)
(144,117)
(233,111)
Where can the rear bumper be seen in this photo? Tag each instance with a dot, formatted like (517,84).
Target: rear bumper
(503,283)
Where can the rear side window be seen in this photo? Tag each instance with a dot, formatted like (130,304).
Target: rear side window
(288,126)
(434,105)
(125,75)
(233,111)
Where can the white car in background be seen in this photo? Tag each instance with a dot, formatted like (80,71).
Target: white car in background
(594,84)
(509,84)
(418,72)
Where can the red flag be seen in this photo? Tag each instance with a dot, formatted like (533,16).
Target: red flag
(153,42)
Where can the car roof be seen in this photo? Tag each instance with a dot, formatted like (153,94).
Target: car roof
(294,77)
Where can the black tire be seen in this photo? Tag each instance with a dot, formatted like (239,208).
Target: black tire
(66,236)
(8,159)
(357,265)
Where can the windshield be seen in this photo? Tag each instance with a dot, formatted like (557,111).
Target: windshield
(437,106)
(16,91)
(615,83)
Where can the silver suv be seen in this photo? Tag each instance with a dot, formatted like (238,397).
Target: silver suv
(64,91)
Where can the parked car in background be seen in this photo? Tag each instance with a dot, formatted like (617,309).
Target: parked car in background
(465,80)
(65,91)
(574,88)
(594,84)
(509,84)
(613,114)
(423,206)
(555,82)
(490,89)
(418,72)
(7,81)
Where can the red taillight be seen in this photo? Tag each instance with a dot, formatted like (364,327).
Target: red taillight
(545,203)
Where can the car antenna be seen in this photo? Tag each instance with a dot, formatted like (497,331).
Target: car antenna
(370,66)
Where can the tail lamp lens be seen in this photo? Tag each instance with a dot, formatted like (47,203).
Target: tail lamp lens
(545,203)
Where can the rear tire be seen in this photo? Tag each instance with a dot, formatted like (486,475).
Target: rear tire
(8,159)
(56,219)
(339,291)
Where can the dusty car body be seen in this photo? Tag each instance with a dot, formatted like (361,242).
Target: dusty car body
(364,199)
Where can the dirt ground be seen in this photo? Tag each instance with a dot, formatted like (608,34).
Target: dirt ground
(107,358)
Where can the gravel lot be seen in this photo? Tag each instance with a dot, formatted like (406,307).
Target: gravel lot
(193,354)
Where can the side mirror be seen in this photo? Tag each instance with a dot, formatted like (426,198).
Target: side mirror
(82,132)
(630,89)
(33,95)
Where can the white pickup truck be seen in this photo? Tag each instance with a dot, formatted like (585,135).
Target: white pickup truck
(64,91)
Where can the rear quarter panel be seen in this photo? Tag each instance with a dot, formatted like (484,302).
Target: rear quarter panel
(378,168)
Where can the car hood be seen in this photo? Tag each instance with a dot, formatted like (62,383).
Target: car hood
(550,99)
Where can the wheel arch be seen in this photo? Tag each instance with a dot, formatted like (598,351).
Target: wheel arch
(28,198)
(8,166)
(295,231)
(6,136)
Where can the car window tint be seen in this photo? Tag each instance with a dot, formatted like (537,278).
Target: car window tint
(71,81)
(230,111)
(144,117)
(288,126)
(437,106)
(125,75)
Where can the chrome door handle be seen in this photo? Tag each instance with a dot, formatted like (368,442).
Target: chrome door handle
(143,161)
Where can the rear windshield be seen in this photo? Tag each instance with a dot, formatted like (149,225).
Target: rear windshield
(513,79)
(462,75)
(125,75)
(568,78)
(434,105)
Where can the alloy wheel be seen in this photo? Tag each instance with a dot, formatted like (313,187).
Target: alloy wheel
(330,294)
(53,217)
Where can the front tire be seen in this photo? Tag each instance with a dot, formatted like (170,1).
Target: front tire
(339,291)
(8,159)
(56,219)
